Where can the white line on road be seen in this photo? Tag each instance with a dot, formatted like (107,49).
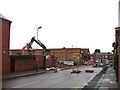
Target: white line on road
(22,85)
(26,84)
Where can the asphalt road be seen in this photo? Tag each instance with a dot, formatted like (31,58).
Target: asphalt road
(62,79)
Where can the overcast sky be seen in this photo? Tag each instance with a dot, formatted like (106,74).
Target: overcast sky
(65,23)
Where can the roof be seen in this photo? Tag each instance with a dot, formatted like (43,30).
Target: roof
(85,50)
(3,17)
(104,53)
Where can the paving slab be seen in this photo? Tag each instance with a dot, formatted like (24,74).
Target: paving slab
(103,88)
(113,84)
(112,77)
(21,74)
(105,83)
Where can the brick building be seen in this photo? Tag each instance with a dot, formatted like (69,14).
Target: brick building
(116,53)
(74,54)
(103,56)
(85,54)
(4,43)
(28,61)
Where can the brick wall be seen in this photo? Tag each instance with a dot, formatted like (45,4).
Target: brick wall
(118,40)
(39,61)
(25,63)
(65,54)
(50,62)
(5,45)
(5,61)
(20,65)
(117,50)
(28,62)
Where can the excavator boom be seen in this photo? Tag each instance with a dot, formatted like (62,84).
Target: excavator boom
(29,45)
(29,48)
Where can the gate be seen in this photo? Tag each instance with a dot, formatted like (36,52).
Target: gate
(12,64)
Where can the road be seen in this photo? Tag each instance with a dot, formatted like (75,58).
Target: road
(62,79)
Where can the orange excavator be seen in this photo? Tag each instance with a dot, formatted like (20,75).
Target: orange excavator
(24,48)
(29,47)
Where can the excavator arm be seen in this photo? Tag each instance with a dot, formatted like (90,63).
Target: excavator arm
(29,48)
(29,45)
(38,42)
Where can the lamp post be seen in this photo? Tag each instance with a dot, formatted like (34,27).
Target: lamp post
(37,48)
(37,34)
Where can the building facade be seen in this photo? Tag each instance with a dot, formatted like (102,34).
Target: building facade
(116,53)
(64,54)
(102,58)
(75,54)
(4,43)
(29,61)
(85,54)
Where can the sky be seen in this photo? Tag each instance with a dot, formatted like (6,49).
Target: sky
(65,23)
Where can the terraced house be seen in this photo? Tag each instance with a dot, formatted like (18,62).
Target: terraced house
(116,53)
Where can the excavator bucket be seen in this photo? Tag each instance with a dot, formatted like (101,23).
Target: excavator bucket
(23,49)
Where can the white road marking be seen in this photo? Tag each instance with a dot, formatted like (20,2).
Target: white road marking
(26,84)
(40,81)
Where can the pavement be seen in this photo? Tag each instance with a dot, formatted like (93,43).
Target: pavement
(108,80)
(105,80)
(28,73)
(23,74)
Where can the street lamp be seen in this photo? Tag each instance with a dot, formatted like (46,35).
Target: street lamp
(37,48)
(37,34)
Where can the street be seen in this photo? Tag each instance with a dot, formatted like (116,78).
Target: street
(62,79)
